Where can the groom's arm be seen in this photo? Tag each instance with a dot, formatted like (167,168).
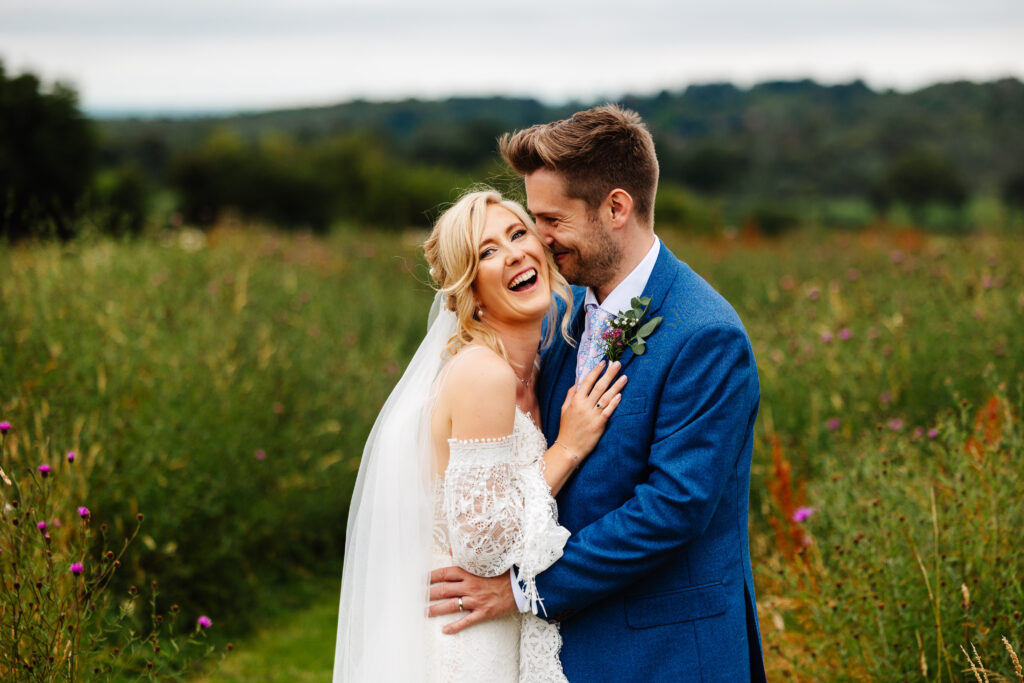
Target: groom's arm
(705,414)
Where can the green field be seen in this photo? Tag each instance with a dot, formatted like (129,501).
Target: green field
(223,383)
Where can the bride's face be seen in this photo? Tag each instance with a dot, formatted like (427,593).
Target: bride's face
(512,281)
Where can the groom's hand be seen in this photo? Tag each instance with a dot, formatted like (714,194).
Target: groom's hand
(482,599)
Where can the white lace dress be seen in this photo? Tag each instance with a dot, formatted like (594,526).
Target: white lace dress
(493,510)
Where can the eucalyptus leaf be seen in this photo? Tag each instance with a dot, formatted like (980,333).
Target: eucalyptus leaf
(639,347)
(649,327)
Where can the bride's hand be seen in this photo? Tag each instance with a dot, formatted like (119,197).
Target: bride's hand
(587,408)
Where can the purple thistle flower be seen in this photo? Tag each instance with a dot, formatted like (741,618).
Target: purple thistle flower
(826,337)
(932,433)
(802,513)
(260,454)
(852,274)
(5,427)
(845,333)
(833,424)
(83,512)
(77,569)
(41,526)
(896,424)
(897,256)
(918,432)
(71,456)
(204,621)
(885,397)
(44,470)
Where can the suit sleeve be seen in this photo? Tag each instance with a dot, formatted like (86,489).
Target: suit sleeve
(704,413)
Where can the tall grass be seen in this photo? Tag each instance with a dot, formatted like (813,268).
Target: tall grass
(223,384)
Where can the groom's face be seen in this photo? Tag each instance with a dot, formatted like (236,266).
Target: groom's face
(583,246)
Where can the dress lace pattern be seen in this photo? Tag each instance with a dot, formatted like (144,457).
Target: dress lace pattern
(493,510)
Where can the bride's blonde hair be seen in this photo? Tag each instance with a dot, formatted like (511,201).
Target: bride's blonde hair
(452,250)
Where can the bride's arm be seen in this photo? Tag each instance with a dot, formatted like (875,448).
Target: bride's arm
(582,423)
(482,500)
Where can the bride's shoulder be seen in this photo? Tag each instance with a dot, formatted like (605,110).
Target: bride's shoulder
(478,369)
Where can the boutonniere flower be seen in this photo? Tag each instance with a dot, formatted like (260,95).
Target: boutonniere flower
(629,330)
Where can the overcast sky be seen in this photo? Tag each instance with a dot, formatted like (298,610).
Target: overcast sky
(227,54)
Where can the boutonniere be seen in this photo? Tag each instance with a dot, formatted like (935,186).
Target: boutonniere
(628,329)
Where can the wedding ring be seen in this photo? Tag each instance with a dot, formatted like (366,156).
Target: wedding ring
(460,604)
(599,405)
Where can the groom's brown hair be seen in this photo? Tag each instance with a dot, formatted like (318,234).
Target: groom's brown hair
(595,151)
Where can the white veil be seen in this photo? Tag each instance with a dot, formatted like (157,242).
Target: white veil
(384,586)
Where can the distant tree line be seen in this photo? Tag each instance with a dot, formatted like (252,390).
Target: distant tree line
(48,167)
(727,155)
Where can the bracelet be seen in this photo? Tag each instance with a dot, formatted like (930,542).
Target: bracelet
(575,458)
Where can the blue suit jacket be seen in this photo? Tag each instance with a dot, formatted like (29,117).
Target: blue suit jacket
(655,583)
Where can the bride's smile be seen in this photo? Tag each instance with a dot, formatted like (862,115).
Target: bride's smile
(512,279)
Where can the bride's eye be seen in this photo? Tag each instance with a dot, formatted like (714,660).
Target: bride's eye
(519,233)
(486,252)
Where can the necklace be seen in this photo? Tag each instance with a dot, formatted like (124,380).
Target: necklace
(526,381)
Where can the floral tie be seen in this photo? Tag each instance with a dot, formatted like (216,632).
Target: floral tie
(592,344)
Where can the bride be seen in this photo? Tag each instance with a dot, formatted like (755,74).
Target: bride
(456,466)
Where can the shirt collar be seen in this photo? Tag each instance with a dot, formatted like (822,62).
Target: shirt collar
(633,285)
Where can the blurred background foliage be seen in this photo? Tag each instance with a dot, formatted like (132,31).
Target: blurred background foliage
(767,157)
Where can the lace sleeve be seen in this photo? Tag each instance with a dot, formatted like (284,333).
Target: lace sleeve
(483,504)
(543,538)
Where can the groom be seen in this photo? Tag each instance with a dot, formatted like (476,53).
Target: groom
(655,583)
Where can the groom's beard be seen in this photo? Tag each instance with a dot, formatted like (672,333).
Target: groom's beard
(594,261)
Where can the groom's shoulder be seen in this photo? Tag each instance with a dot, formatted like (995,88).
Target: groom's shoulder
(693,303)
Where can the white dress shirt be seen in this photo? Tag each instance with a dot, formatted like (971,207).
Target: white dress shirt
(617,301)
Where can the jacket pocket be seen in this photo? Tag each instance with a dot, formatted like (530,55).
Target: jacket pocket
(697,602)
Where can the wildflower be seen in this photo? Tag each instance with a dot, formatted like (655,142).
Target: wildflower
(932,433)
(833,424)
(826,337)
(852,274)
(5,427)
(896,424)
(845,333)
(83,512)
(77,569)
(71,456)
(44,470)
(814,293)
(802,513)
(918,432)
(885,397)
(260,454)
(204,621)
(41,526)
(897,256)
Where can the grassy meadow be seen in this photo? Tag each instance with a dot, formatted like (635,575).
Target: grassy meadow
(223,383)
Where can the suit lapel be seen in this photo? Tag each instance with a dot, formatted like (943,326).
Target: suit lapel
(658,284)
(555,363)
